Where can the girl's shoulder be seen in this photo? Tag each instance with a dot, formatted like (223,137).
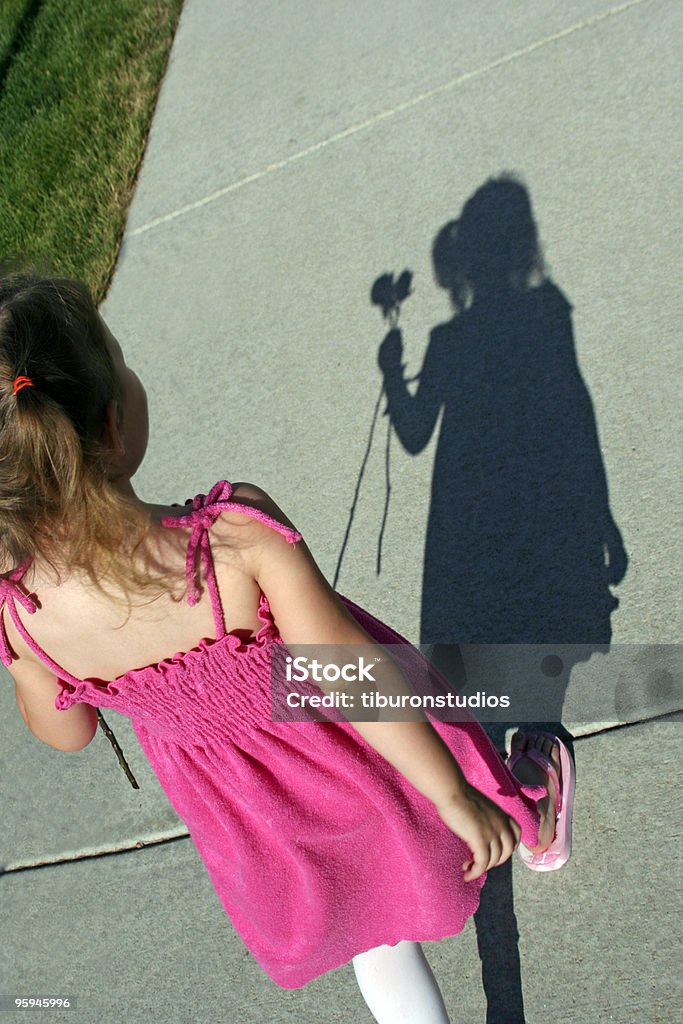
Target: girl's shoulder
(245,524)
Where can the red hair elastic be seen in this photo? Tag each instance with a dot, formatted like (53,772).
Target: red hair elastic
(22,382)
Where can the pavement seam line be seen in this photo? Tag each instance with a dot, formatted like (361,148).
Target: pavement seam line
(87,853)
(158,838)
(383,116)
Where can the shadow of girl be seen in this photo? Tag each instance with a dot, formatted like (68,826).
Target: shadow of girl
(521,546)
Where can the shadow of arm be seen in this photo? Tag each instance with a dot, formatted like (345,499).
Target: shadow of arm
(413,416)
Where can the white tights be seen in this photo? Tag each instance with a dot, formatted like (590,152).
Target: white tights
(398,985)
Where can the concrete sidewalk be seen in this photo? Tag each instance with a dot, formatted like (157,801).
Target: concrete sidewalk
(141,935)
(297,152)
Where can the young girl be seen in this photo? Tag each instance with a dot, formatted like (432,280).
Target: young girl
(325,841)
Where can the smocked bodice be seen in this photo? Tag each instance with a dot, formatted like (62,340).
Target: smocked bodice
(166,695)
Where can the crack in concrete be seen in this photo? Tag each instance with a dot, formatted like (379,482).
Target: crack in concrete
(385,115)
(167,837)
(88,853)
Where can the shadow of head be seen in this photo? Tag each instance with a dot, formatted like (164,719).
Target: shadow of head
(493,247)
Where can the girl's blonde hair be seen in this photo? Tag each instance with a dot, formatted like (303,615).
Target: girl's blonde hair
(56,501)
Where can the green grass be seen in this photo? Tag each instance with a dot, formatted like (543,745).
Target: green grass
(11,13)
(76,103)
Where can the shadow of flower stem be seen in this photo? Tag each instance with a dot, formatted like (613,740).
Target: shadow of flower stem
(388,294)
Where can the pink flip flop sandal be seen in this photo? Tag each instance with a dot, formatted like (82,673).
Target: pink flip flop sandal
(559,851)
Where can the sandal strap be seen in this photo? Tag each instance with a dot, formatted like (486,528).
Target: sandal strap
(543,762)
(514,758)
(549,768)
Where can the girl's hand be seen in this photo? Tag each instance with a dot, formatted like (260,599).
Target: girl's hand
(491,834)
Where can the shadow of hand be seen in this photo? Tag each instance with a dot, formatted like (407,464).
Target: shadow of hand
(390,351)
(617,559)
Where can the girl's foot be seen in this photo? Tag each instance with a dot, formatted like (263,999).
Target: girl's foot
(527,771)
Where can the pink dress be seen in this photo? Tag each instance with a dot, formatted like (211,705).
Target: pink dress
(317,847)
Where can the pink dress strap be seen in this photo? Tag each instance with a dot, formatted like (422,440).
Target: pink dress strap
(205,510)
(10,593)
(203,513)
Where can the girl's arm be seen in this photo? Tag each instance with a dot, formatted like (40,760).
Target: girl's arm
(307,611)
(36,690)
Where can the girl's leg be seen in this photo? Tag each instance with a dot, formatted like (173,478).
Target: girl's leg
(398,985)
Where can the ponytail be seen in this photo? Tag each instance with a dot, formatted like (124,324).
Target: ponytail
(56,379)
(46,473)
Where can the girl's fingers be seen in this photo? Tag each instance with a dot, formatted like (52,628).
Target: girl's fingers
(479,862)
(485,857)
(493,854)
(513,836)
(509,846)
(497,850)
(516,830)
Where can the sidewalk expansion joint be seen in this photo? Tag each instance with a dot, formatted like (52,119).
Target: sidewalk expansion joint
(89,853)
(385,115)
(158,838)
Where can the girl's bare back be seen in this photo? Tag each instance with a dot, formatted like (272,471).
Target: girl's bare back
(91,634)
